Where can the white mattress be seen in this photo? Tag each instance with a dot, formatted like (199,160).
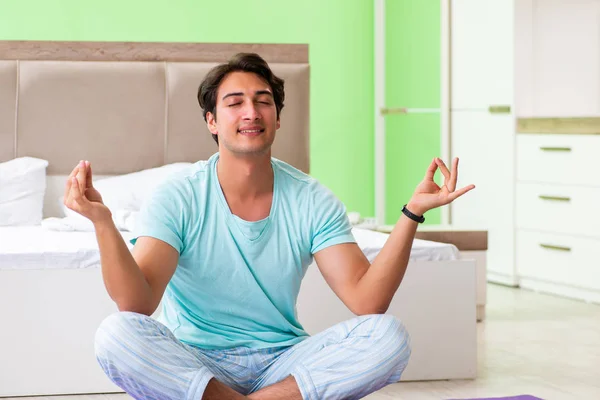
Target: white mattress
(371,243)
(38,248)
(33,247)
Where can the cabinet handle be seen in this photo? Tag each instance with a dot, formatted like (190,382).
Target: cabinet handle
(405,110)
(553,247)
(554,198)
(555,148)
(499,109)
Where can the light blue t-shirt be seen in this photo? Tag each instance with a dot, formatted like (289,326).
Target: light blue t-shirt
(237,282)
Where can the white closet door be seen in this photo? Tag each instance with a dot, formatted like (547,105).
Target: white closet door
(566,58)
(481,53)
(484,144)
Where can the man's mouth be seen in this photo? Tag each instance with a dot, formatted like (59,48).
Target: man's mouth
(251,132)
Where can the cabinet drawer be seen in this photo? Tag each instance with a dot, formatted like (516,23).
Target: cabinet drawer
(558,259)
(553,158)
(558,208)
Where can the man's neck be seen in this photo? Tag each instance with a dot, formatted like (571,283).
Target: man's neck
(245,178)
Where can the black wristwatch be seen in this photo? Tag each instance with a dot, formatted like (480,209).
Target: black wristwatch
(412,216)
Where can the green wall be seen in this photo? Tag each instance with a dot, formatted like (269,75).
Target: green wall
(340,38)
(340,34)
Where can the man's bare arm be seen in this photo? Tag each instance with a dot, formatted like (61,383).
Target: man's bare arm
(369,289)
(136,282)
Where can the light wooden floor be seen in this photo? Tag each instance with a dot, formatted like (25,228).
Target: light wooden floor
(530,343)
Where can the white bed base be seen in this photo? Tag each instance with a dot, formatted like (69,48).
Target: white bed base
(480,257)
(49,318)
(436,303)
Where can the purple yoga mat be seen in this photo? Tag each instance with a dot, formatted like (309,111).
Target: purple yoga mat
(522,397)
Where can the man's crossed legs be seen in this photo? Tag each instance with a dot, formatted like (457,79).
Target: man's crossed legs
(347,361)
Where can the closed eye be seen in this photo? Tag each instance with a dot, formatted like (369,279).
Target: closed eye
(234,104)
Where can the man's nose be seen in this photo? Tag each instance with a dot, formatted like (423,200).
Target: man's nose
(251,112)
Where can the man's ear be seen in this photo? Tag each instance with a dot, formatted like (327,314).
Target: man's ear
(278,123)
(211,122)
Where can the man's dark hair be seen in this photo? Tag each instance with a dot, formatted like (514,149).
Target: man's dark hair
(245,62)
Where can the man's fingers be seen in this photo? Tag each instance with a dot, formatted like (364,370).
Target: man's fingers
(445,172)
(88,175)
(81,177)
(68,187)
(71,175)
(454,174)
(74,172)
(76,195)
(457,193)
(431,170)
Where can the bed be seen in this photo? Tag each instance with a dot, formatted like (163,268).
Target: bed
(52,297)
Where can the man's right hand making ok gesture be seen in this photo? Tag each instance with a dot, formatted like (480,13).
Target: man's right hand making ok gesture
(82,197)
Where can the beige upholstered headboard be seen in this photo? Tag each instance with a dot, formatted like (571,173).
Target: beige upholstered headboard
(130,106)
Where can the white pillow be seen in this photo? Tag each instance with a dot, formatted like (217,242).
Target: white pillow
(22,190)
(128,192)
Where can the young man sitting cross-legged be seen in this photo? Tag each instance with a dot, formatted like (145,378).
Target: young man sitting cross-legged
(225,246)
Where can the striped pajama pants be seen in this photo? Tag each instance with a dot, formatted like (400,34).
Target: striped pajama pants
(347,361)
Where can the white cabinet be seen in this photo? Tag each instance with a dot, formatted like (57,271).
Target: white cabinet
(557,217)
(482,51)
(558,58)
(557,76)
(541,58)
(481,72)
